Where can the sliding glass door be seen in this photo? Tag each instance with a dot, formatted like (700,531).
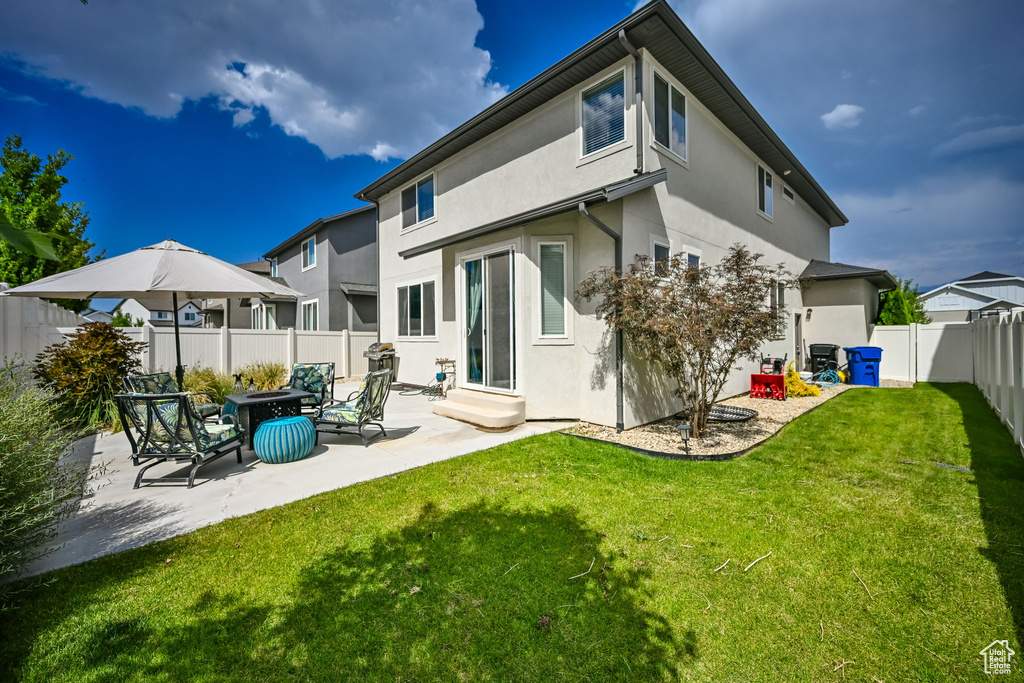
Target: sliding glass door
(490,320)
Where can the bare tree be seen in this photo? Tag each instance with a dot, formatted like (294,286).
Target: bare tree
(696,322)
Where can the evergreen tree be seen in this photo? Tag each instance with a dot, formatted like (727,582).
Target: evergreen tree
(30,201)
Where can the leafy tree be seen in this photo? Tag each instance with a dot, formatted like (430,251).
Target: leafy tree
(30,202)
(697,323)
(122,319)
(902,305)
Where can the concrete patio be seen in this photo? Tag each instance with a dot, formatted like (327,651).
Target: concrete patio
(113,516)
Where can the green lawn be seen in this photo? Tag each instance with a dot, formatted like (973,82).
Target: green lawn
(462,570)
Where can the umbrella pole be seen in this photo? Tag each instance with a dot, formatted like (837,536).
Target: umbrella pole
(179,371)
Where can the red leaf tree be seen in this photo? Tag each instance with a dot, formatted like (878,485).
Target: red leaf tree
(696,322)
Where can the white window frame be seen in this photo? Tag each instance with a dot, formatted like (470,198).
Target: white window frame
(786,188)
(628,100)
(261,310)
(302,256)
(415,184)
(185,316)
(672,83)
(778,292)
(437,296)
(161,315)
(757,191)
(273,267)
(566,338)
(659,241)
(302,314)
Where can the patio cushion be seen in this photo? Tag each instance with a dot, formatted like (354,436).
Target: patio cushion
(312,378)
(346,412)
(209,435)
(158,383)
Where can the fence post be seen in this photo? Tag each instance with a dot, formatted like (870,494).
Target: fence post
(1017,375)
(148,355)
(225,349)
(346,353)
(912,353)
(293,345)
(1006,378)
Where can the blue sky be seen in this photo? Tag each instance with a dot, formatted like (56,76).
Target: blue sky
(231,125)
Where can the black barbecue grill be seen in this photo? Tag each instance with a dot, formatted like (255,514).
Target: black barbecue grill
(381,356)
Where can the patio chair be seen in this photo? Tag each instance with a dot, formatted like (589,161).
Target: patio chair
(316,378)
(163,383)
(363,407)
(165,427)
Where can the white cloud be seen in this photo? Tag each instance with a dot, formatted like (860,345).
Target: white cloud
(915,111)
(377,77)
(987,138)
(936,230)
(843,117)
(6,94)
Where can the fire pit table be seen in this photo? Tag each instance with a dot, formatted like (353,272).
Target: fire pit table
(257,407)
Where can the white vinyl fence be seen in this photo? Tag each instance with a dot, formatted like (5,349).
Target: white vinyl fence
(29,325)
(937,352)
(999,368)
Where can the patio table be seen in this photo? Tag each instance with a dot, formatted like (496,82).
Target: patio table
(257,407)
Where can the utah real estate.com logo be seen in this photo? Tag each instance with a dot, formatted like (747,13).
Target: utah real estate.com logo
(997,657)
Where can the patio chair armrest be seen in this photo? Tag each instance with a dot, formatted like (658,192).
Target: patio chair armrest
(228,420)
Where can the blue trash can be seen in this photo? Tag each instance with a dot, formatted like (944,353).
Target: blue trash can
(864,362)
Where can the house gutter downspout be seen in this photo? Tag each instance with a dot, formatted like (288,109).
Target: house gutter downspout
(619,420)
(362,197)
(638,98)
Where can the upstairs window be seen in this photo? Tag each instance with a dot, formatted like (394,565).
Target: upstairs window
(162,315)
(693,260)
(273,267)
(788,193)
(418,202)
(764,190)
(309,253)
(190,317)
(604,114)
(669,117)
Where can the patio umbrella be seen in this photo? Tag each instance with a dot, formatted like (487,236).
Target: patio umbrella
(165,269)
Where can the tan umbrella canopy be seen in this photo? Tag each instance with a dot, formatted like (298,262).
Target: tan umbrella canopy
(165,269)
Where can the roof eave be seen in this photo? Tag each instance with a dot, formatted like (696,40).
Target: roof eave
(312,228)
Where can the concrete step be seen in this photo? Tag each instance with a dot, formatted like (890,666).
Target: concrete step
(481,408)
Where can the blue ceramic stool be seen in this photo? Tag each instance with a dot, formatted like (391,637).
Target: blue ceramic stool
(284,439)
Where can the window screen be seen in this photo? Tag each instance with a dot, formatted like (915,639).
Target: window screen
(604,114)
(552,286)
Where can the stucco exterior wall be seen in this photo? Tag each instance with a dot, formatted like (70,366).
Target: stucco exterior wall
(840,312)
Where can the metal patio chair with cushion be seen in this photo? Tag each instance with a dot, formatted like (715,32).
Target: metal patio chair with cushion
(316,378)
(363,407)
(165,427)
(163,383)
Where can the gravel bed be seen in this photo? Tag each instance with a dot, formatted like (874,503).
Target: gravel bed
(720,437)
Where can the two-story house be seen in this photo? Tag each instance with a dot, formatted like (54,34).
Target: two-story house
(333,261)
(240,314)
(157,312)
(980,295)
(637,143)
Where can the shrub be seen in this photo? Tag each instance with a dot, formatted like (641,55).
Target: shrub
(36,490)
(796,387)
(265,375)
(217,384)
(85,371)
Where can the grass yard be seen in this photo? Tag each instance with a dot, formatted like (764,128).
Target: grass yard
(468,569)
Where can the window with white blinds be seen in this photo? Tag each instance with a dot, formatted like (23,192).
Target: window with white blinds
(604,114)
(552,289)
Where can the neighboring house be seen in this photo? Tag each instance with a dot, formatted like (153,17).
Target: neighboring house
(333,262)
(158,313)
(840,303)
(95,316)
(974,297)
(240,314)
(484,235)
